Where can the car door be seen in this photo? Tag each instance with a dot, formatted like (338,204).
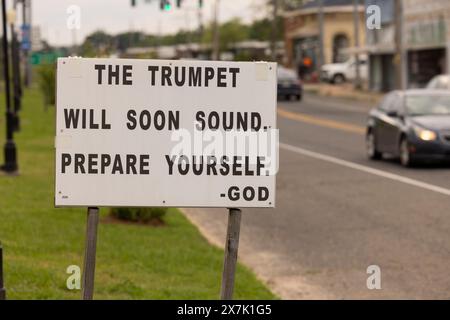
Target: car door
(381,127)
(392,123)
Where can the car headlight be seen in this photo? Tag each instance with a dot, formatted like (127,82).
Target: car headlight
(424,134)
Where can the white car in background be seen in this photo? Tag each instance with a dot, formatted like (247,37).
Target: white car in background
(341,72)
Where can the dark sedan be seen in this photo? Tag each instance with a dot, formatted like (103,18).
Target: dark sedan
(289,85)
(413,125)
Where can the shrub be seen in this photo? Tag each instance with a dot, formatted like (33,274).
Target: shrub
(142,215)
(47,80)
(244,56)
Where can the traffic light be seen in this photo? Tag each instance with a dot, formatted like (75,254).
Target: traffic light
(133,3)
(200,3)
(179,3)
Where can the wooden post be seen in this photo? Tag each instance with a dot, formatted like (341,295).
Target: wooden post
(231,253)
(90,252)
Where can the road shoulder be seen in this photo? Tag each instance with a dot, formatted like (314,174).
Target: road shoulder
(345,91)
(272,270)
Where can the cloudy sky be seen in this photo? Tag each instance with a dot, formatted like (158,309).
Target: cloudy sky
(116,16)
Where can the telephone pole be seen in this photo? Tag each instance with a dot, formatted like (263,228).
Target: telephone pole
(216,32)
(321,59)
(200,23)
(273,42)
(400,54)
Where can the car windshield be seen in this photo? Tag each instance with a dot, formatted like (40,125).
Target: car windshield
(428,105)
(286,74)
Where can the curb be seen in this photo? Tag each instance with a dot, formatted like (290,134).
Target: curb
(344,94)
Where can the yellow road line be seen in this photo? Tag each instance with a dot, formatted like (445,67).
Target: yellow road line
(321,121)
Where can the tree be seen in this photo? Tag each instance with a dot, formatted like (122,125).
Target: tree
(231,32)
(291,4)
(261,29)
(276,7)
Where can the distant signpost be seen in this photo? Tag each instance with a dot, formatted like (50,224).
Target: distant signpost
(166,133)
(38,58)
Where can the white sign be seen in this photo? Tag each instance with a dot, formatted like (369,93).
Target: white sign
(165,133)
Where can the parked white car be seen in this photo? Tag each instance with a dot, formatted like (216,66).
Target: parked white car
(340,72)
(441,81)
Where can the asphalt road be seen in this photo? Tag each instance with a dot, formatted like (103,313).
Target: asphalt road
(338,213)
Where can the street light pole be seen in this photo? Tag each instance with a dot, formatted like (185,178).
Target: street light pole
(15,57)
(10,152)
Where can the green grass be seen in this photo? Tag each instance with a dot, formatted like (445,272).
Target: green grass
(133,261)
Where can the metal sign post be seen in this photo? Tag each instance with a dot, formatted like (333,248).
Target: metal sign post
(231,253)
(2,289)
(90,252)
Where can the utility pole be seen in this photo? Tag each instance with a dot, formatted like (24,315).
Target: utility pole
(274,33)
(188,34)
(321,59)
(74,42)
(400,55)
(357,83)
(10,152)
(216,32)
(200,20)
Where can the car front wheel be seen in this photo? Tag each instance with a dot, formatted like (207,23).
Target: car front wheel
(405,155)
(338,79)
(371,146)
